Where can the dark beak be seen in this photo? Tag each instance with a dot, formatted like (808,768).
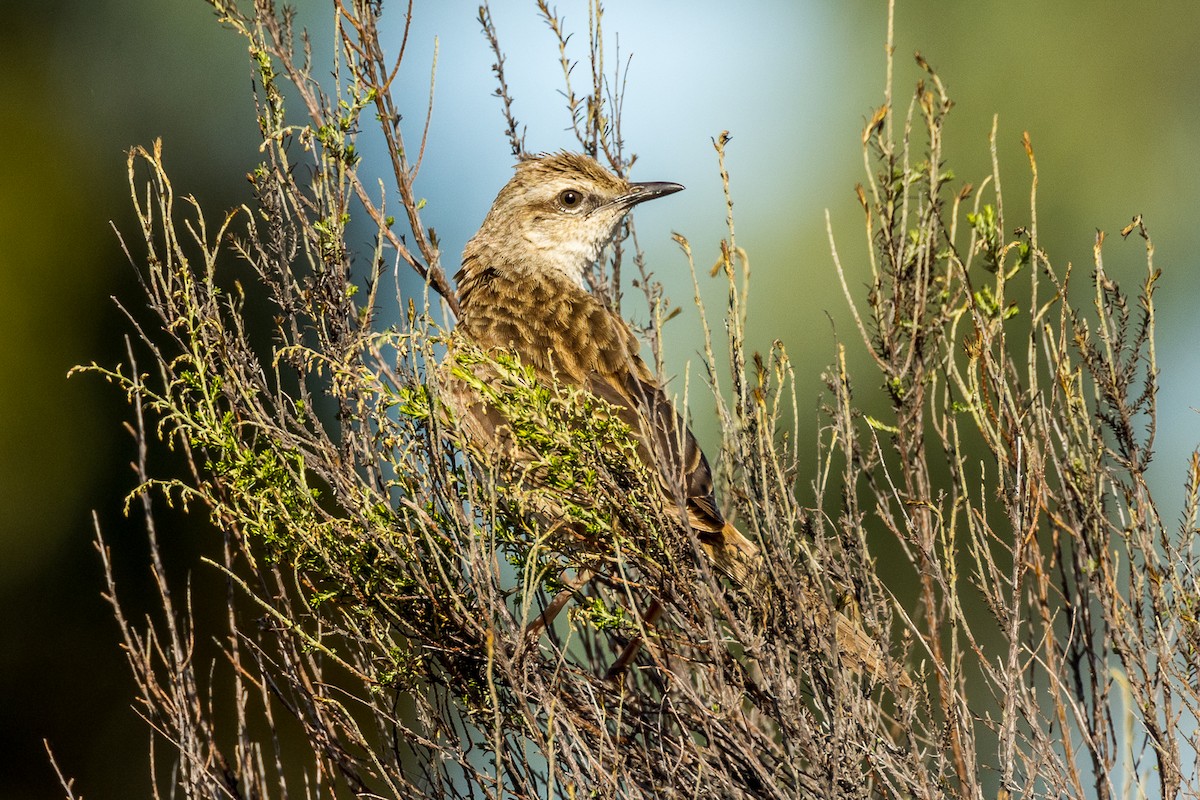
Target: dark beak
(641,192)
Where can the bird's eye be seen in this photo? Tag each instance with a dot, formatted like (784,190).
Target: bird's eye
(570,199)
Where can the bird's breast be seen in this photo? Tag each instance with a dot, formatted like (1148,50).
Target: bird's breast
(559,330)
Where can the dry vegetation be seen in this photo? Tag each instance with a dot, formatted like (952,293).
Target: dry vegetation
(380,585)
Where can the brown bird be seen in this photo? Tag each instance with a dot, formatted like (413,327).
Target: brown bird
(522,291)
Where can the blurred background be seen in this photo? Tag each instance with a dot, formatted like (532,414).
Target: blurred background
(1110,97)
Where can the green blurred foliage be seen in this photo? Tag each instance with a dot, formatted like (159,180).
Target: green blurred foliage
(79,84)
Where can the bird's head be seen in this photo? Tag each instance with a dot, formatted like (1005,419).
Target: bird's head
(557,213)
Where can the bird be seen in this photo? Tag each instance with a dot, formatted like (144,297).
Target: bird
(522,291)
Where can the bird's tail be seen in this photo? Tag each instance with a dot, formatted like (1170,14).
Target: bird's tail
(740,560)
(734,555)
(864,654)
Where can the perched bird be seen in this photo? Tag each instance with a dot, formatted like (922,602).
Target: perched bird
(522,291)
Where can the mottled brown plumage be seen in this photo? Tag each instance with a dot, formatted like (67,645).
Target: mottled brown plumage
(521,290)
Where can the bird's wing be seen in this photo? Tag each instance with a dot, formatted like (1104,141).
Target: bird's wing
(666,444)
